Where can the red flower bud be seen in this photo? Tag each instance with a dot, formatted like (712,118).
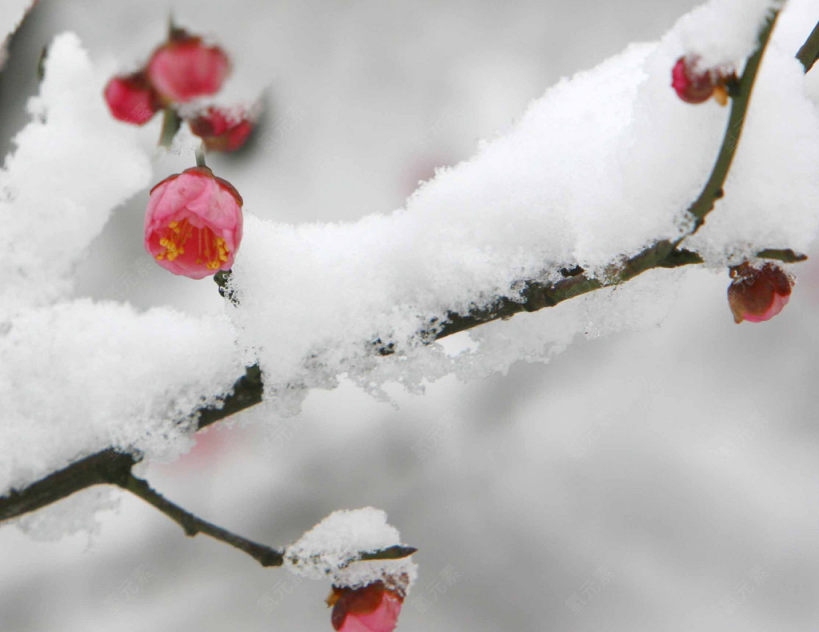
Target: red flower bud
(193,223)
(692,86)
(185,68)
(373,608)
(221,130)
(131,98)
(758,294)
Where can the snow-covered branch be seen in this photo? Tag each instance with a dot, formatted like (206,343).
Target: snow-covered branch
(111,467)
(265,555)
(517,229)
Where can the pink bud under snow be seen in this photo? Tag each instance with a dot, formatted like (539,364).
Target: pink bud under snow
(691,85)
(221,130)
(373,608)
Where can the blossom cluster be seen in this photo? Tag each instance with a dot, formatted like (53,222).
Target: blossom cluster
(181,70)
(193,222)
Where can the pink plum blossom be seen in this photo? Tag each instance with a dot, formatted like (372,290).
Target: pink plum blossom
(193,223)
(373,608)
(185,68)
(758,294)
(131,98)
(221,130)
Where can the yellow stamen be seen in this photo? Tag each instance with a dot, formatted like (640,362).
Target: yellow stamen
(212,250)
(173,240)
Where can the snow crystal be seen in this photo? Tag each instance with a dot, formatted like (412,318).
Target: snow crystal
(327,550)
(73,165)
(78,377)
(600,167)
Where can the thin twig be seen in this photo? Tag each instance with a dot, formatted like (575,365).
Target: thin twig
(785,255)
(265,555)
(170,126)
(395,552)
(192,524)
(741,96)
(809,52)
(200,156)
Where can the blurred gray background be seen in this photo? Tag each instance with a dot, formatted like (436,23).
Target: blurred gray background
(657,480)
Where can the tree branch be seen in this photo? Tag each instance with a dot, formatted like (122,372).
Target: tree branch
(105,467)
(247,391)
(265,555)
(112,467)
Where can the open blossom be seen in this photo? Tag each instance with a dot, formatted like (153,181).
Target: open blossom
(758,294)
(373,608)
(221,130)
(185,68)
(697,86)
(131,98)
(193,223)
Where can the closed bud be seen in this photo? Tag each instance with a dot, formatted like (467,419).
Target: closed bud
(131,99)
(693,85)
(758,294)
(222,130)
(185,68)
(373,608)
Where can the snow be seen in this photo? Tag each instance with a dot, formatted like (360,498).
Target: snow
(724,32)
(80,513)
(772,178)
(327,550)
(72,167)
(79,376)
(603,165)
(594,463)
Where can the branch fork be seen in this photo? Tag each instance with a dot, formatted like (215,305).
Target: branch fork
(115,468)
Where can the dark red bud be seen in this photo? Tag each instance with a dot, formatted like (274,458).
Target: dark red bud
(758,294)
(221,130)
(131,98)
(691,85)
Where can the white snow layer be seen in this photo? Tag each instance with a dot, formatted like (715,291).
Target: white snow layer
(73,165)
(78,377)
(598,168)
(601,166)
(328,548)
(724,32)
